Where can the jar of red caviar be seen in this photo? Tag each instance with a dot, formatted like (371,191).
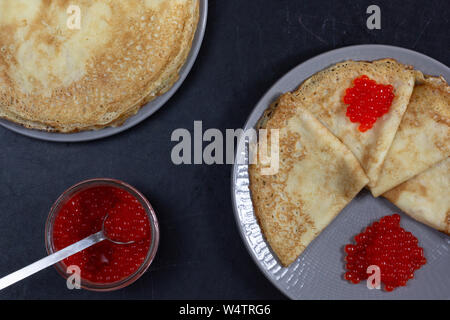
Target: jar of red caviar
(80,211)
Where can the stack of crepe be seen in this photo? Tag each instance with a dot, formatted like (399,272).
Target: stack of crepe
(325,160)
(60,75)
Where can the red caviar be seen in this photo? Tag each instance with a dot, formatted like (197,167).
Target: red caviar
(386,245)
(367,101)
(83,215)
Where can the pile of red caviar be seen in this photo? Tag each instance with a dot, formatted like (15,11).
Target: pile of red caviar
(386,245)
(83,215)
(367,101)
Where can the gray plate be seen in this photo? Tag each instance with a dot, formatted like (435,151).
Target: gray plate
(143,113)
(318,272)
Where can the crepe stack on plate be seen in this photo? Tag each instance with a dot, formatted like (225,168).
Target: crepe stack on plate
(56,77)
(325,160)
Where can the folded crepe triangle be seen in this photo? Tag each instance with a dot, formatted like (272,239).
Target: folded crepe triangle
(323,93)
(423,138)
(317,177)
(426,196)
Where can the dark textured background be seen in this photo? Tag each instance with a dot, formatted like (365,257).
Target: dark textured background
(248,46)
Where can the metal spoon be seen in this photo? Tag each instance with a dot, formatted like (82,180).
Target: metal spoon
(58,256)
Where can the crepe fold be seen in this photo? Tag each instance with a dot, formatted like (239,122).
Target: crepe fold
(426,196)
(423,138)
(322,94)
(317,177)
(57,77)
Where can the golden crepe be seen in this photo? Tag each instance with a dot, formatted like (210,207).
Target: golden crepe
(322,95)
(426,196)
(58,78)
(318,175)
(423,138)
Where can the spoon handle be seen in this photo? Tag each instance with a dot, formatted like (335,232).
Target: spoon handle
(51,259)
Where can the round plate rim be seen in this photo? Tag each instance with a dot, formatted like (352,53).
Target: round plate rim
(261,106)
(144,113)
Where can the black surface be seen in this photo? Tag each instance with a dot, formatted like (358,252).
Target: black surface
(248,46)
